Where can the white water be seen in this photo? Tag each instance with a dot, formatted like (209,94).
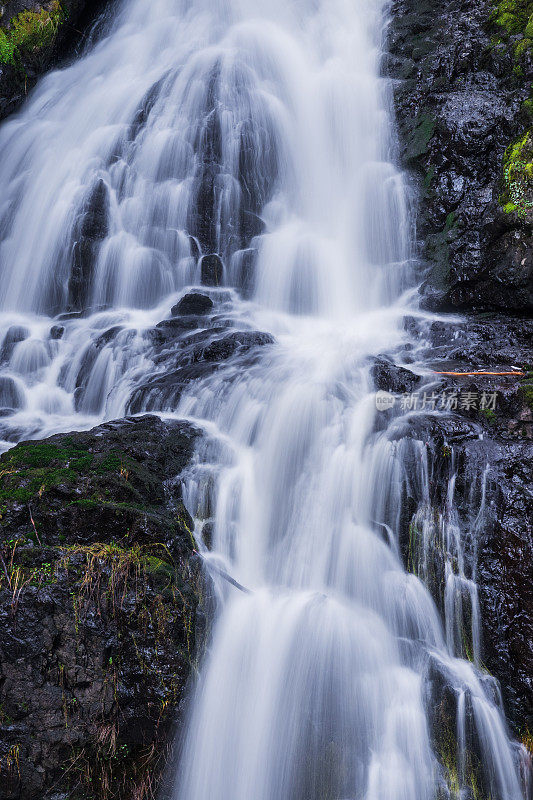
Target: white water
(272,120)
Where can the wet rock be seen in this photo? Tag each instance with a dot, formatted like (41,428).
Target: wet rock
(14,335)
(11,395)
(195,248)
(16,80)
(193,303)
(506,588)
(459,105)
(391,378)
(212,270)
(57,331)
(245,263)
(92,228)
(195,357)
(145,107)
(494,446)
(238,342)
(96,650)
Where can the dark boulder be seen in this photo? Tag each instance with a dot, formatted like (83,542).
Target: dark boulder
(193,303)
(11,395)
(238,342)
(459,101)
(487,451)
(14,335)
(245,262)
(57,331)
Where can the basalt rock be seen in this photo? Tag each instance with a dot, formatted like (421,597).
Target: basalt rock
(98,595)
(187,358)
(490,447)
(459,101)
(391,378)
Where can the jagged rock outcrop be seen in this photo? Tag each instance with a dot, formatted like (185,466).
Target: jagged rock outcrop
(98,595)
(461,100)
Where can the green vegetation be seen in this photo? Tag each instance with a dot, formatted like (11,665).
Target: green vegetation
(517,196)
(139,590)
(526,389)
(489,415)
(31,469)
(422,130)
(29,33)
(514,21)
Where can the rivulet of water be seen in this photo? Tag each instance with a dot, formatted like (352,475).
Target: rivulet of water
(250,145)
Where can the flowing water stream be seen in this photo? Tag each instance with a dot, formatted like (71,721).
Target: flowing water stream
(260,132)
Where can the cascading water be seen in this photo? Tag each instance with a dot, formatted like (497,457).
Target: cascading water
(248,145)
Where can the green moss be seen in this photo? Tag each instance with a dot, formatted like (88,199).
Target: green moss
(40,454)
(29,33)
(33,468)
(517,194)
(429,178)
(489,415)
(514,17)
(527,393)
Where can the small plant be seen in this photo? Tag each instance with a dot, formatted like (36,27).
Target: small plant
(518,176)
(29,33)
(489,415)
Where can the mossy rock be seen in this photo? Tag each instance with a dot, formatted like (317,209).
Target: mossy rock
(98,607)
(116,478)
(517,196)
(30,34)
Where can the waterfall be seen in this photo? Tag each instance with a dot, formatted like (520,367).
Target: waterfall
(247,148)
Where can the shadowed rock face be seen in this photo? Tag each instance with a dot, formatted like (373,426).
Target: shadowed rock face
(98,595)
(459,105)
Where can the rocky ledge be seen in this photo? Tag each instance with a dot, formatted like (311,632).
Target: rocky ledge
(98,595)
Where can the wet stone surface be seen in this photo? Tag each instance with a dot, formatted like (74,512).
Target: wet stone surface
(99,589)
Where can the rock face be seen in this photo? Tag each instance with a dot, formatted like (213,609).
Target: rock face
(476,447)
(459,103)
(461,99)
(98,594)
